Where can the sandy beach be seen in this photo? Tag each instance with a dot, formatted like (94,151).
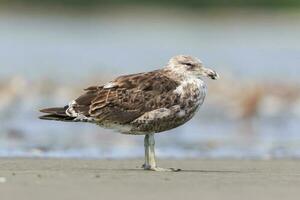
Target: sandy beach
(49,179)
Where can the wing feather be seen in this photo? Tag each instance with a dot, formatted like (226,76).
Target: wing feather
(130,97)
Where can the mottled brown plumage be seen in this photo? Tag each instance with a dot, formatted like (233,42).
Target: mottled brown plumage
(143,103)
(129,97)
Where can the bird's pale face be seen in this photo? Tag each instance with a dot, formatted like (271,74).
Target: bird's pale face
(190,66)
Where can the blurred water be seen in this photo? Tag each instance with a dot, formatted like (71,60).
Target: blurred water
(76,50)
(251,44)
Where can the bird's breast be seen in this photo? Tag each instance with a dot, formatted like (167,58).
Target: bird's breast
(192,89)
(192,93)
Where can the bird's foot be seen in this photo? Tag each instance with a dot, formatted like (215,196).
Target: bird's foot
(159,169)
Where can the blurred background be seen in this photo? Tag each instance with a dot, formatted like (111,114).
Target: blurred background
(52,49)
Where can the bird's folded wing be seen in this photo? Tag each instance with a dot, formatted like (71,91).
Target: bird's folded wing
(128,97)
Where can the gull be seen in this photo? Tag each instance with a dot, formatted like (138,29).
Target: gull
(142,104)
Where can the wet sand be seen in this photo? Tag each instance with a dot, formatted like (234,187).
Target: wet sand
(49,179)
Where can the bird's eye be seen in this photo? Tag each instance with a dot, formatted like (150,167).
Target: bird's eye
(188,64)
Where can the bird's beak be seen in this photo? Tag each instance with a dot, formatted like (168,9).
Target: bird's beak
(209,73)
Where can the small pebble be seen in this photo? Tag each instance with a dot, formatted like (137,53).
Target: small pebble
(97,176)
(2,180)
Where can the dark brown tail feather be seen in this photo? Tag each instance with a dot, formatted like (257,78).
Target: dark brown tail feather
(58,114)
(57,111)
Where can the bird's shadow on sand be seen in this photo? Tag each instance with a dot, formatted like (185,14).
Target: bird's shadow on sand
(209,171)
(181,171)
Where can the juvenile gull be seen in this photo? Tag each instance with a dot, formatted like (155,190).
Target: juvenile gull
(142,104)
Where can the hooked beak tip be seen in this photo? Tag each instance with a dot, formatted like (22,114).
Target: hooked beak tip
(213,75)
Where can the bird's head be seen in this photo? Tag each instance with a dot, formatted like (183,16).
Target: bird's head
(190,66)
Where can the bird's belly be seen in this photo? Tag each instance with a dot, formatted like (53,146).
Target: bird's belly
(122,128)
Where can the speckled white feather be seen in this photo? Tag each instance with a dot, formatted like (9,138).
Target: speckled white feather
(109,85)
(70,111)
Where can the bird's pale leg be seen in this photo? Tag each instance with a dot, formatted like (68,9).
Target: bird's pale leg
(147,149)
(150,163)
(151,155)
